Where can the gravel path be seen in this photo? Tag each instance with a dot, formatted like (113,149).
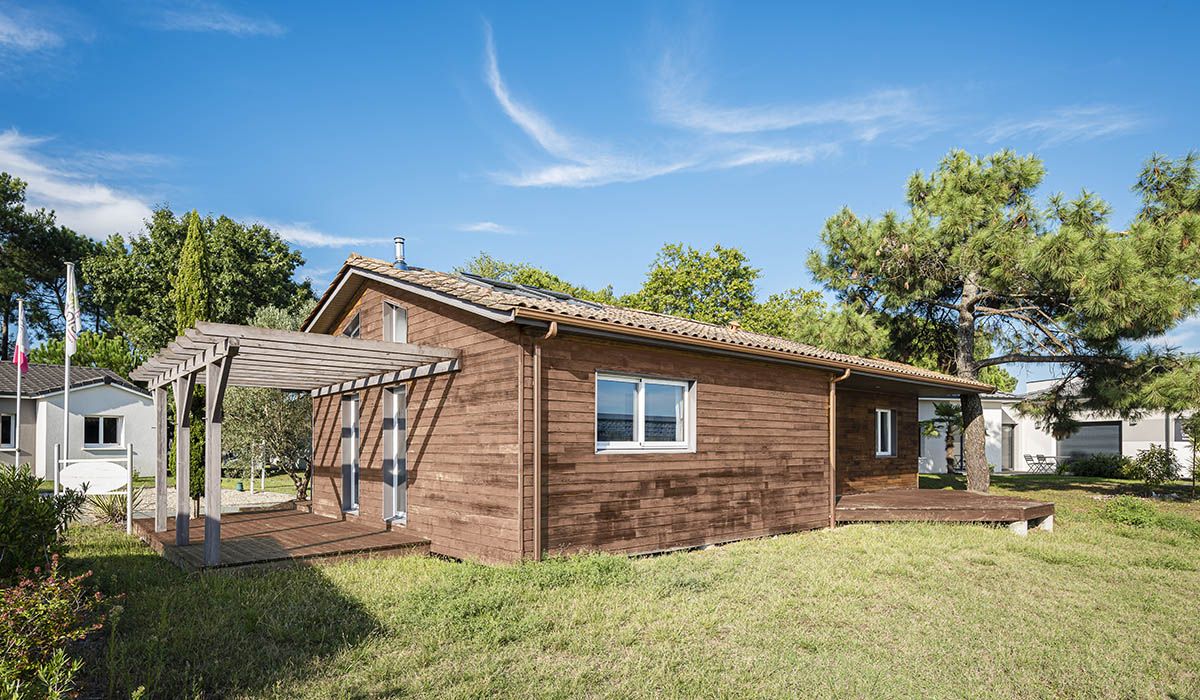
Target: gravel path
(232,501)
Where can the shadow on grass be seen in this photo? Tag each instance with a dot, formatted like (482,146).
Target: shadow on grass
(212,634)
(1055,482)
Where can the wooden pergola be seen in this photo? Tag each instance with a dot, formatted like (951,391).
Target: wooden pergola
(220,355)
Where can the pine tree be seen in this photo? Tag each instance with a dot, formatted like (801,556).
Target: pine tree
(975,258)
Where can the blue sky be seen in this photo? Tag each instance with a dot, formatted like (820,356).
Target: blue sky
(576,137)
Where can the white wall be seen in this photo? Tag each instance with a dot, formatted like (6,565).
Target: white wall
(1030,439)
(933,460)
(137,426)
(28,428)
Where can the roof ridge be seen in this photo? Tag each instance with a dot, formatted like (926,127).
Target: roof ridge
(474,290)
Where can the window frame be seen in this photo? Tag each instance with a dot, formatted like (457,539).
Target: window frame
(102,445)
(355,324)
(639,445)
(392,311)
(890,450)
(11,418)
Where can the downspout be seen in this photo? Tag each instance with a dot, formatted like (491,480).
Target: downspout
(537,438)
(520,445)
(833,381)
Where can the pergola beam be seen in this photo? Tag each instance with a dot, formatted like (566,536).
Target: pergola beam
(395,377)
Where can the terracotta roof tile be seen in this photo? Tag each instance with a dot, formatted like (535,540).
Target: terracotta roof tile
(483,294)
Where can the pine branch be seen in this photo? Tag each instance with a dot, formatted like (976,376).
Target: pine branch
(1066,359)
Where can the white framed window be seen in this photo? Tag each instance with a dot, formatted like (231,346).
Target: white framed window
(885,433)
(101,431)
(350,447)
(8,430)
(395,323)
(643,413)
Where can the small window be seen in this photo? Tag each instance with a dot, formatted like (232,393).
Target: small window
(395,323)
(353,328)
(885,428)
(101,431)
(7,430)
(642,413)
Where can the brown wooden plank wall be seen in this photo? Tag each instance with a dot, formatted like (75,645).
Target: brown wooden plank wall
(858,469)
(759,466)
(462,452)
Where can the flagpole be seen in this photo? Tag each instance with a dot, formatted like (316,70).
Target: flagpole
(17,427)
(70,321)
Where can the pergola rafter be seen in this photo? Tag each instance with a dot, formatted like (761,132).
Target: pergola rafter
(219,355)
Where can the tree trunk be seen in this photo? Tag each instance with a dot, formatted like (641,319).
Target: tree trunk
(974,437)
(974,432)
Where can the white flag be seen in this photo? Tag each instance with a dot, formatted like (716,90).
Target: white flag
(71,312)
(20,356)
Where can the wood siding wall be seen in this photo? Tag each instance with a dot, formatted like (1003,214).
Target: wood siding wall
(759,467)
(858,469)
(462,433)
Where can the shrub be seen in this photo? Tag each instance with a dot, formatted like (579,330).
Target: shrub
(1129,510)
(110,508)
(1105,464)
(1153,467)
(39,617)
(31,523)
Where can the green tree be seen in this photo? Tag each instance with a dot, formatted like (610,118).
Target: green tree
(975,257)
(485,265)
(193,281)
(249,267)
(804,316)
(33,251)
(714,287)
(272,425)
(92,350)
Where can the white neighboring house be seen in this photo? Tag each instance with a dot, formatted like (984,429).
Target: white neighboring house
(1011,435)
(107,413)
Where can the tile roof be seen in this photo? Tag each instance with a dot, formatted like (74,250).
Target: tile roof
(499,297)
(47,379)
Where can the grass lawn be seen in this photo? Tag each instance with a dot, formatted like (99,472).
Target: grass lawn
(1093,610)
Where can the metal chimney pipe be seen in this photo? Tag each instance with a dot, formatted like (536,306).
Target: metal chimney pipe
(400,264)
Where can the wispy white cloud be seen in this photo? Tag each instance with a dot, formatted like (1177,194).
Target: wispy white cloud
(305,235)
(21,32)
(79,199)
(581,163)
(703,137)
(1067,124)
(678,96)
(199,16)
(486,227)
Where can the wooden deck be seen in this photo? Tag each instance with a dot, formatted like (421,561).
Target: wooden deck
(278,537)
(940,505)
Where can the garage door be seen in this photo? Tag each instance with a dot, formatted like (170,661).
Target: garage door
(1092,438)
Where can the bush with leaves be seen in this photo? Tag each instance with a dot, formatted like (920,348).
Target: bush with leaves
(110,508)
(39,617)
(1105,464)
(1153,467)
(31,523)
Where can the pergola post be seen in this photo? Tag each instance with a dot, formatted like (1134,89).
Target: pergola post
(160,458)
(216,374)
(184,389)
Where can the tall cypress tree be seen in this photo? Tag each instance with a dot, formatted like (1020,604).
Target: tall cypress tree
(191,290)
(193,281)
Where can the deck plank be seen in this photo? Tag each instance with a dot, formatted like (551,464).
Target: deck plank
(273,537)
(895,505)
